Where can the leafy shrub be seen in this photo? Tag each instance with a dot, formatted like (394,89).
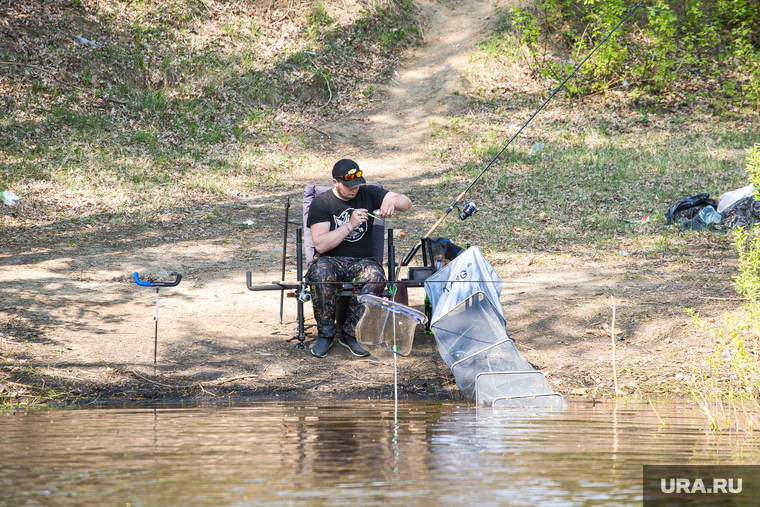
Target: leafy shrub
(664,46)
(747,242)
(735,403)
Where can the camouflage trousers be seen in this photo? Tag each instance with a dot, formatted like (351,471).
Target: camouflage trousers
(365,274)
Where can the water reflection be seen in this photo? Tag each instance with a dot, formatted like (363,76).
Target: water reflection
(347,453)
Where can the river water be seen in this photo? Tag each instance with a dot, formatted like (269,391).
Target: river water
(349,453)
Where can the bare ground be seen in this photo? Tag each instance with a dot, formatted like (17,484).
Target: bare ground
(72,319)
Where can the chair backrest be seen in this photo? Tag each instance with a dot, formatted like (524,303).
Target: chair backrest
(378,230)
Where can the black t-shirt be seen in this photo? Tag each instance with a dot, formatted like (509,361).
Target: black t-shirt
(327,207)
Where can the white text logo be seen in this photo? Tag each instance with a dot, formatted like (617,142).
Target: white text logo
(698,486)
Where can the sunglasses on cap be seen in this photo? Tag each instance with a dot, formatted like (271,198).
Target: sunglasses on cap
(351,175)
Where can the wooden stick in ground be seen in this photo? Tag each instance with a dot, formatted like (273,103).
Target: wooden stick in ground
(614,366)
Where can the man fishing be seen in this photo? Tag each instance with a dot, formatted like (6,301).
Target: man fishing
(341,228)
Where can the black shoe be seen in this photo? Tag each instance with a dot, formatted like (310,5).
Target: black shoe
(321,347)
(351,344)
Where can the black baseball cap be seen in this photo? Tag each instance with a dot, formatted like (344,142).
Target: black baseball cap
(347,172)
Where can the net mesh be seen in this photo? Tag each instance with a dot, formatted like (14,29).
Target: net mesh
(542,402)
(501,357)
(494,385)
(469,328)
(485,362)
(387,323)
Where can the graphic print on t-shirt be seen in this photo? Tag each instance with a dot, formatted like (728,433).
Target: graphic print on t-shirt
(343,219)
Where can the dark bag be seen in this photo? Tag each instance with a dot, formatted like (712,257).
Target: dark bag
(442,249)
(687,208)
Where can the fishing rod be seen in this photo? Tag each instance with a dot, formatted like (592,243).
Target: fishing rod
(302,293)
(295,284)
(470,208)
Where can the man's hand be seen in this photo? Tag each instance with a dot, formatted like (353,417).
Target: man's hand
(358,217)
(387,208)
(393,202)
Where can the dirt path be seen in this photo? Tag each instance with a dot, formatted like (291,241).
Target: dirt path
(71,315)
(390,140)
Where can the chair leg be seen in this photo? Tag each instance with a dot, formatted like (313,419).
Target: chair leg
(341,310)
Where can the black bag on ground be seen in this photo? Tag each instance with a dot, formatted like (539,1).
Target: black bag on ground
(687,208)
(743,213)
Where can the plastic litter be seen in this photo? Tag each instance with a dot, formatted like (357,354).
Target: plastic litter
(743,213)
(704,221)
(737,208)
(10,198)
(688,207)
(87,42)
(729,198)
(708,215)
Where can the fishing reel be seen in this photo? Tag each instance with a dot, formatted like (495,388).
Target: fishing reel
(468,211)
(303,295)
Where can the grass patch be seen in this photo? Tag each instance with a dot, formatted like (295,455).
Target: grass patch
(582,176)
(192,99)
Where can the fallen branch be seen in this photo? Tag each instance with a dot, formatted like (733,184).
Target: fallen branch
(231,379)
(327,82)
(117,101)
(200,384)
(9,382)
(358,379)
(146,379)
(317,130)
(207,392)
(287,12)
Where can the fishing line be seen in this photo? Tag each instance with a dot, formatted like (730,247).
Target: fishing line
(416,248)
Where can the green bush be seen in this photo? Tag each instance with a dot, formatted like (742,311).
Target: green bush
(747,243)
(666,45)
(726,384)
